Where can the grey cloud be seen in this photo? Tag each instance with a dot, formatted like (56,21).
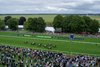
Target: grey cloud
(49,6)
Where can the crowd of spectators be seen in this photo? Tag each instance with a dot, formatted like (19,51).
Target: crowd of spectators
(25,57)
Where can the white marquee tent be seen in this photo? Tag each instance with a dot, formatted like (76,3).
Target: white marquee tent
(50,29)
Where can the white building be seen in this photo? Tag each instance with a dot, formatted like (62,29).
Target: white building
(19,26)
(99,30)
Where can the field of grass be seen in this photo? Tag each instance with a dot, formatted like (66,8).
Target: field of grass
(47,17)
(96,17)
(88,46)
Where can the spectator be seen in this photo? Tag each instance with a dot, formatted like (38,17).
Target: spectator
(21,57)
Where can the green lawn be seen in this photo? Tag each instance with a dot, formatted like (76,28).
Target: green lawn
(96,17)
(62,45)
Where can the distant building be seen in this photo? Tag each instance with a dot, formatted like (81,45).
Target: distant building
(99,30)
(19,26)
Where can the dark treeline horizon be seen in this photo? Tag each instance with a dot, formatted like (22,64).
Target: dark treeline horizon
(54,14)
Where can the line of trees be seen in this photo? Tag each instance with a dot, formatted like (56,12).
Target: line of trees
(35,24)
(13,23)
(2,25)
(32,24)
(68,24)
(21,20)
(76,24)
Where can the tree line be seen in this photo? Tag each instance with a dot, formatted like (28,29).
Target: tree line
(32,24)
(76,24)
(67,24)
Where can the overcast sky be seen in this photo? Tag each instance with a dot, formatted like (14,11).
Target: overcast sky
(49,6)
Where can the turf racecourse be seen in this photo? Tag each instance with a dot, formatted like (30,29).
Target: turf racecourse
(88,46)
